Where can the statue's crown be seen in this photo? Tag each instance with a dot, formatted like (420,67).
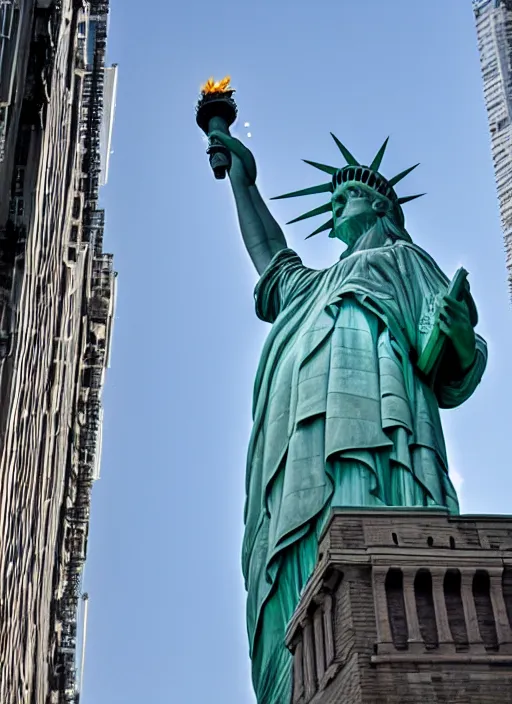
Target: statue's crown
(365,175)
(353,172)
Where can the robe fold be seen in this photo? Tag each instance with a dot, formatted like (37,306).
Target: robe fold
(342,417)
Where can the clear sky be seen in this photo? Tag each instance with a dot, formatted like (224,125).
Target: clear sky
(167,620)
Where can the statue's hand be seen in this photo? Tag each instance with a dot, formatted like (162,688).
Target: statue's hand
(455,322)
(243,165)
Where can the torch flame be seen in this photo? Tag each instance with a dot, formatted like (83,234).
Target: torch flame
(212,86)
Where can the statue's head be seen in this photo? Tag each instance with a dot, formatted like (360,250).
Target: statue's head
(360,198)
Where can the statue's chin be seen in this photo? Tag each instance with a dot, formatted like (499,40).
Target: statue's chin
(349,230)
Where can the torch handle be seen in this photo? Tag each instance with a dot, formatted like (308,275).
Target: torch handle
(218,124)
(220,158)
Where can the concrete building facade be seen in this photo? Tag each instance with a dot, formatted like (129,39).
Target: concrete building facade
(57,300)
(494,34)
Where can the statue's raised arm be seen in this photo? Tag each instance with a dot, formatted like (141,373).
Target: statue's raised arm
(216,111)
(261,233)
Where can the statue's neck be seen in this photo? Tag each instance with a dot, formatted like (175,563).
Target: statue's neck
(372,237)
(379,234)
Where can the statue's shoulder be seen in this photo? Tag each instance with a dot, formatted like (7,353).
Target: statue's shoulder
(288,259)
(414,258)
(405,246)
(282,260)
(285,257)
(285,264)
(410,249)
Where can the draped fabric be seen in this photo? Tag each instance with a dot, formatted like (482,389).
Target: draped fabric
(342,417)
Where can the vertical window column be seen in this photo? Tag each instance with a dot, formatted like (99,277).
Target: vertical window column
(468,603)
(298,672)
(503,630)
(443,625)
(413,627)
(309,660)
(384,638)
(328,630)
(318,629)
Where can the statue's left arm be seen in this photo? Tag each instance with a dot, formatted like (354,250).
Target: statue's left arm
(465,357)
(423,287)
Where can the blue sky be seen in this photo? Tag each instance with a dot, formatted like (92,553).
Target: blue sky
(167,620)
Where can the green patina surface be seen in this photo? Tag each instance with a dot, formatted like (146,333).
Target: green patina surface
(343,416)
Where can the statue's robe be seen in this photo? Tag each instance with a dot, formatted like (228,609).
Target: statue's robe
(342,417)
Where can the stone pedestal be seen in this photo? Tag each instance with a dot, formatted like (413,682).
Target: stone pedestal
(406,607)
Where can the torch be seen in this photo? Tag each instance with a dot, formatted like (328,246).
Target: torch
(216,110)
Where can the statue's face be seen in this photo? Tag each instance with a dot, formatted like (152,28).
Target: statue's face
(355,209)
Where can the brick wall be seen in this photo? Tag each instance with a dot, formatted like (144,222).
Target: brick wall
(409,607)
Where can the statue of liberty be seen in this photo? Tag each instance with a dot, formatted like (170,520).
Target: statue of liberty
(344,414)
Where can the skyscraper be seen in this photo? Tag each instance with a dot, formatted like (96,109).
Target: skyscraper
(109,107)
(494,33)
(57,298)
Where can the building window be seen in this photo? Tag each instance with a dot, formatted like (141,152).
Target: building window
(425,608)
(396,608)
(455,609)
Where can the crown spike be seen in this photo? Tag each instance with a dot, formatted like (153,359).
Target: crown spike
(327,226)
(393,181)
(349,158)
(311,214)
(328,169)
(406,199)
(322,188)
(377,161)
